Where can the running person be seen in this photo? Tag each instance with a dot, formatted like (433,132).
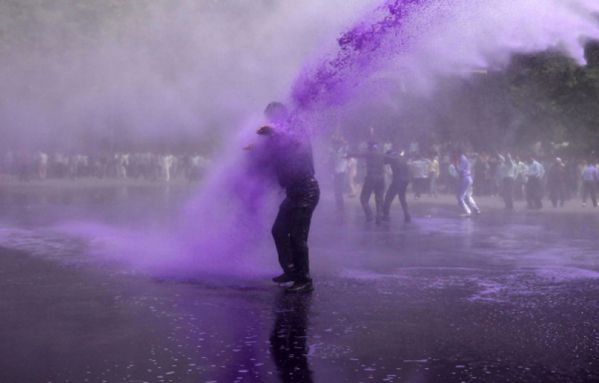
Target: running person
(374,181)
(399,184)
(464,184)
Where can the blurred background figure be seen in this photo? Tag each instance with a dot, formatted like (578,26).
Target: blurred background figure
(400,179)
(421,170)
(521,180)
(534,185)
(556,183)
(374,181)
(480,176)
(435,173)
(464,183)
(122,161)
(352,177)
(340,164)
(589,183)
(42,165)
(506,171)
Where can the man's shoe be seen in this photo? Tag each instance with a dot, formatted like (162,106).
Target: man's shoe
(283,278)
(407,219)
(301,287)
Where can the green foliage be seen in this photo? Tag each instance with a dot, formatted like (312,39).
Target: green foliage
(558,100)
(544,97)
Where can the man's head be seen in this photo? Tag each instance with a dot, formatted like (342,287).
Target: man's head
(276,112)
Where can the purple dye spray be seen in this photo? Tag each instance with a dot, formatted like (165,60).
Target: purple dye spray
(360,48)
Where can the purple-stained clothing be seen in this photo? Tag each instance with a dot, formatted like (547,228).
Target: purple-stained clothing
(292,163)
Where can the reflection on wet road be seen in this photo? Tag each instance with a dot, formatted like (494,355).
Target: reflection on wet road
(288,341)
(504,297)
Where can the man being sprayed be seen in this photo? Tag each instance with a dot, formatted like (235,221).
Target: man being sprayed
(399,183)
(464,183)
(290,153)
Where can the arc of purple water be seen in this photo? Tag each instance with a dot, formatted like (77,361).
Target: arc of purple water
(359,48)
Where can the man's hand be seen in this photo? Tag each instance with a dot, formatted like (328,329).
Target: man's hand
(265,131)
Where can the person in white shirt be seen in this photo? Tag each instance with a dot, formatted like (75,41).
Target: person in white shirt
(352,175)
(590,176)
(42,165)
(340,167)
(166,164)
(520,183)
(420,169)
(464,183)
(534,185)
(435,173)
(452,175)
(122,161)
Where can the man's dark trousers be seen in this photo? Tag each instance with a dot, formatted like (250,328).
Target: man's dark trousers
(292,227)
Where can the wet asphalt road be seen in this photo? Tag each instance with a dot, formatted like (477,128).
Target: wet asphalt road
(500,298)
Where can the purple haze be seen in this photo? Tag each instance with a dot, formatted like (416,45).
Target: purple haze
(419,41)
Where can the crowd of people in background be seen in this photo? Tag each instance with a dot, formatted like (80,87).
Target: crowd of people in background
(27,166)
(386,170)
(382,170)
